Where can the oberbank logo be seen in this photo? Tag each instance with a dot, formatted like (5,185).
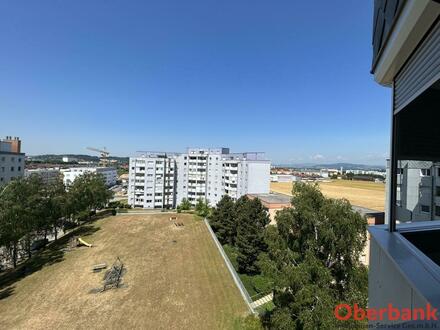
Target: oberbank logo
(345,312)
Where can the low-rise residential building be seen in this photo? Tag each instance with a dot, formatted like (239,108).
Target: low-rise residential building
(283,178)
(274,202)
(108,173)
(48,175)
(123,178)
(199,173)
(12,160)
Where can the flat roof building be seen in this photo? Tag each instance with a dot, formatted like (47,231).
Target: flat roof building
(274,203)
(47,175)
(12,160)
(206,173)
(109,174)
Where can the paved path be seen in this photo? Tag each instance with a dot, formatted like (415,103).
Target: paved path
(262,301)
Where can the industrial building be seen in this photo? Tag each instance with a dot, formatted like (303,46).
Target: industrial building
(108,173)
(47,175)
(12,160)
(404,256)
(199,173)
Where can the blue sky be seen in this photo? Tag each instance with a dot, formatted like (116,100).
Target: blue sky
(290,78)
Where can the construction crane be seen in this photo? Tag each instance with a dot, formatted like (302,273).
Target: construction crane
(103,161)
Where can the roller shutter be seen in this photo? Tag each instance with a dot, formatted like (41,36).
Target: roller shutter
(420,72)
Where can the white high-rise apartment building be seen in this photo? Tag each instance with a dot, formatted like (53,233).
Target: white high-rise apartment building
(152,181)
(199,173)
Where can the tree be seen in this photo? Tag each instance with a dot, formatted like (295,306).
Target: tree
(87,193)
(223,220)
(56,202)
(202,208)
(313,257)
(20,206)
(185,205)
(252,217)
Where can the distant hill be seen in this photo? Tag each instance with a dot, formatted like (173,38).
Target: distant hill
(51,158)
(345,166)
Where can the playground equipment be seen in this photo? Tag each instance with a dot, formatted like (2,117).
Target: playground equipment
(97,268)
(112,278)
(76,241)
(83,242)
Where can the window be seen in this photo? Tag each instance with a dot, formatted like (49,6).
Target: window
(437,191)
(19,168)
(437,211)
(12,159)
(1,179)
(19,160)
(424,208)
(425,172)
(12,168)
(400,171)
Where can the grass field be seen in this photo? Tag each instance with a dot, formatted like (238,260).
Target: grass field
(361,193)
(175,279)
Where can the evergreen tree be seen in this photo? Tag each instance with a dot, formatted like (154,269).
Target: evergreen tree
(202,208)
(223,220)
(252,218)
(313,257)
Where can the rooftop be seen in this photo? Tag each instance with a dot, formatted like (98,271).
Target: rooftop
(272,198)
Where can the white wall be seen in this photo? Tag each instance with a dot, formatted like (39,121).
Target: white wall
(258,177)
(109,174)
(11,166)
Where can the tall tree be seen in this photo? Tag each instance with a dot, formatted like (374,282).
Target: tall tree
(252,218)
(202,208)
(313,257)
(87,193)
(56,203)
(20,205)
(223,220)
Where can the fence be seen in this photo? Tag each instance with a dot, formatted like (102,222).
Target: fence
(231,269)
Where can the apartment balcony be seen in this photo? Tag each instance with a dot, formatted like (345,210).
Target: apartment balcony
(404,266)
(404,254)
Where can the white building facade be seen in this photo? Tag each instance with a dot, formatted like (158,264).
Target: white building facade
(152,181)
(164,180)
(108,173)
(417,191)
(47,175)
(12,160)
